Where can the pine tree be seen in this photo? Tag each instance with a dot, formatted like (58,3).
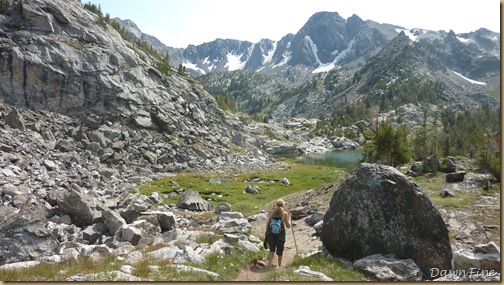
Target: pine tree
(181,69)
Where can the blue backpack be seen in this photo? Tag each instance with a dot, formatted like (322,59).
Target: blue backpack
(276,225)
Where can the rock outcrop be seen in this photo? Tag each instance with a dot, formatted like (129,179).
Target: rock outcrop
(376,209)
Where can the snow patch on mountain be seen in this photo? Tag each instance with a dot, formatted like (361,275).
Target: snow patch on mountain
(286,57)
(234,62)
(314,49)
(408,33)
(470,80)
(463,40)
(269,55)
(193,67)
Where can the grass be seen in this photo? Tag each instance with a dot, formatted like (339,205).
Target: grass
(60,271)
(327,265)
(232,189)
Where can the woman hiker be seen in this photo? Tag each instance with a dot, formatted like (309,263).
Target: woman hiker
(276,241)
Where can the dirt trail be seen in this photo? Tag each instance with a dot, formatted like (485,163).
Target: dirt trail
(305,244)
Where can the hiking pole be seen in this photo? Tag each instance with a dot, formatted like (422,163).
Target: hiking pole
(292,227)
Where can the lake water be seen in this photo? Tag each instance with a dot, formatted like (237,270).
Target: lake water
(348,159)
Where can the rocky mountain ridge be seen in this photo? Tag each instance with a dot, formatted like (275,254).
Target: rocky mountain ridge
(325,42)
(56,56)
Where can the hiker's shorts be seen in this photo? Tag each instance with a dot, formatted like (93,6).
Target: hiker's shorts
(276,243)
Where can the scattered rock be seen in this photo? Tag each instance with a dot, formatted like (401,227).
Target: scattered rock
(192,201)
(386,268)
(482,257)
(455,177)
(252,189)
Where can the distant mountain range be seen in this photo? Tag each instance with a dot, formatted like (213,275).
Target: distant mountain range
(325,42)
(467,64)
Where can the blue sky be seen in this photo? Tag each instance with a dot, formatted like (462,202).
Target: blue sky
(178,23)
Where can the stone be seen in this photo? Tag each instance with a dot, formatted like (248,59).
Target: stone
(129,233)
(15,120)
(306,271)
(455,177)
(113,220)
(448,165)
(376,209)
(285,181)
(446,193)
(222,207)
(298,213)
(134,257)
(482,257)
(166,221)
(315,218)
(192,201)
(252,189)
(79,206)
(386,268)
(93,232)
(215,180)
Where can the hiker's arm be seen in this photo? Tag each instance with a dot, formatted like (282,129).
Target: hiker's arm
(288,217)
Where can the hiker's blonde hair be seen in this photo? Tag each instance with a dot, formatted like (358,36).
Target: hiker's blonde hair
(278,210)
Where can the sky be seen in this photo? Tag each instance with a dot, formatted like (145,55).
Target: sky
(178,23)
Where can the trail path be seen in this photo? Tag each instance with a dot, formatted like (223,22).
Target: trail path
(305,244)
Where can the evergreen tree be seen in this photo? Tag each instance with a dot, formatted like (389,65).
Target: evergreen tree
(181,69)
(387,146)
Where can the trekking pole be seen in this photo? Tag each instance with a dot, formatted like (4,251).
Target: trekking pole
(292,227)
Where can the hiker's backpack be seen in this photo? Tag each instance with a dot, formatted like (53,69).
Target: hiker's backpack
(276,225)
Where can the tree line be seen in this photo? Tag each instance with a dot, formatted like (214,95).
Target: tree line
(473,133)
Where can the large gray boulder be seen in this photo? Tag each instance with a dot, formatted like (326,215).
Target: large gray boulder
(376,209)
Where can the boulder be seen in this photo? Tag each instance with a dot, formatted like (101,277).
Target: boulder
(136,204)
(388,268)
(25,236)
(431,164)
(455,177)
(306,271)
(79,206)
(113,220)
(15,120)
(446,193)
(315,218)
(192,201)
(223,207)
(215,180)
(376,209)
(252,189)
(482,257)
(285,181)
(166,221)
(448,165)
(344,143)
(129,233)
(92,233)
(298,213)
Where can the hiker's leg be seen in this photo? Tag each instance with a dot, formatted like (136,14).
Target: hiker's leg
(270,257)
(279,253)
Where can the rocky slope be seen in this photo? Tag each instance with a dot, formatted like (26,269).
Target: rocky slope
(84,116)
(56,56)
